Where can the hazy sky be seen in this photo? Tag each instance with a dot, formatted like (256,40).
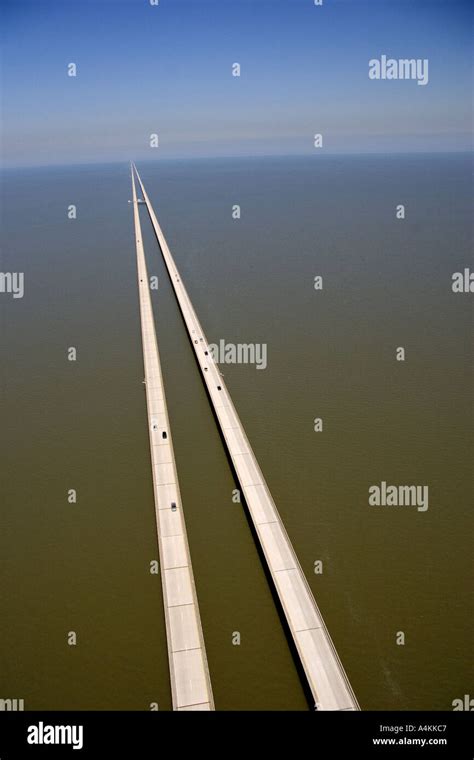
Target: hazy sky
(166,69)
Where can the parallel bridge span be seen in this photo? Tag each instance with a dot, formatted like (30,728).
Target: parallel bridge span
(325,674)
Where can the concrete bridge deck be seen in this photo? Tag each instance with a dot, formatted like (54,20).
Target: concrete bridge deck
(325,674)
(189,674)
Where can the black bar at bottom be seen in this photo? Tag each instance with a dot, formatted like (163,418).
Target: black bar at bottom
(163,734)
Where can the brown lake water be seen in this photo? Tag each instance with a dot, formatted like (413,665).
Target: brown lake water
(84,567)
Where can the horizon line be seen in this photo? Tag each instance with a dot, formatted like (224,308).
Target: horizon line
(319,155)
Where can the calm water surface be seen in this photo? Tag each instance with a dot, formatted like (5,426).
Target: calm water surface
(84,567)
